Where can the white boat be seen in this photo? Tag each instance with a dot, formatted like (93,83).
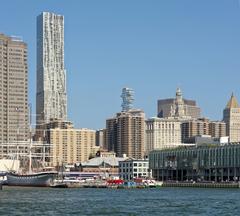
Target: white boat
(41,179)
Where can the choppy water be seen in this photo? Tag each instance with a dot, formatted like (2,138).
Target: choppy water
(163,201)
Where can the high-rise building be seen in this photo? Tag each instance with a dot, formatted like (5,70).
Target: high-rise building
(101,138)
(14,125)
(71,145)
(125,133)
(127,97)
(217,129)
(51,74)
(131,133)
(162,133)
(42,132)
(202,126)
(111,134)
(178,107)
(194,127)
(231,116)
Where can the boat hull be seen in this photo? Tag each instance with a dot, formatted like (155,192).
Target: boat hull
(32,180)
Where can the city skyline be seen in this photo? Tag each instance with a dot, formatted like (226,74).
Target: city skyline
(110,46)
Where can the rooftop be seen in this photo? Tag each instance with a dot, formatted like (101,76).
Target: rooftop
(232,103)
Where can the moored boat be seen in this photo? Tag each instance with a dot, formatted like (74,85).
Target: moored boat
(41,179)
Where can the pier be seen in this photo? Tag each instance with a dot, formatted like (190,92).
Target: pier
(202,184)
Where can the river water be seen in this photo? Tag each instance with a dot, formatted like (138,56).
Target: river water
(86,201)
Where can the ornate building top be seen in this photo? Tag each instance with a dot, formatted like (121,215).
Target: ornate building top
(232,103)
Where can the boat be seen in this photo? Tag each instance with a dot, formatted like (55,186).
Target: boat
(59,185)
(41,179)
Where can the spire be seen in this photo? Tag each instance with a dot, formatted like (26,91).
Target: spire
(232,103)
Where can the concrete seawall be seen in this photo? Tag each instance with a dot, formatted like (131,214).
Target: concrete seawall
(201,184)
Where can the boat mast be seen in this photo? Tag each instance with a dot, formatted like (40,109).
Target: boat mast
(30,139)
(17,110)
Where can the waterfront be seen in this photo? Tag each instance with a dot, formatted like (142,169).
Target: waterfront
(162,201)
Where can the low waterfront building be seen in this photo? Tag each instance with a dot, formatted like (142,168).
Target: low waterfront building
(131,169)
(104,165)
(207,139)
(203,163)
(105,153)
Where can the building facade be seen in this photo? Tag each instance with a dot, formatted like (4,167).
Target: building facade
(194,127)
(14,116)
(231,116)
(42,132)
(205,163)
(105,164)
(70,146)
(131,169)
(217,129)
(51,74)
(200,127)
(111,134)
(178,107)
(162,133)
(125,134)
(101,138)
(128,98)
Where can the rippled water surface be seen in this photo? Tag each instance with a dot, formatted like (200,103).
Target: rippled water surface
(162,201)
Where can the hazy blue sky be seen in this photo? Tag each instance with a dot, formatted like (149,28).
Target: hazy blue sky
(151,46)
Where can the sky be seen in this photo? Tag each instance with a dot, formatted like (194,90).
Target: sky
(152,46)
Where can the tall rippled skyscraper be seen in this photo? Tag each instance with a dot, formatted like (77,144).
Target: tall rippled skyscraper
(51,74)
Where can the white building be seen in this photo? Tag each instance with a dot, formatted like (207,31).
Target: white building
(51,74)
(162,133)
(131,168)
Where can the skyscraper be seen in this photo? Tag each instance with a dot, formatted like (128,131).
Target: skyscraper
(51,74)
(231,116)
(127,97)
(125,133)
(14,125)
(178,107)
(162,133)
(131,133)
